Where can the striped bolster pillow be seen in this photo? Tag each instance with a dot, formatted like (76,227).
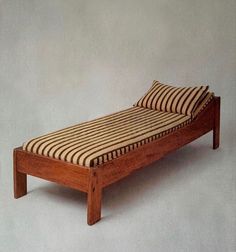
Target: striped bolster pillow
(203,103)
(181,100)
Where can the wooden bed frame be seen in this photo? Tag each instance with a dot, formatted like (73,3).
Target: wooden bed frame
(93,180)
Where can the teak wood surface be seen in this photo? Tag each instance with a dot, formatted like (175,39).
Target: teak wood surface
(93,180)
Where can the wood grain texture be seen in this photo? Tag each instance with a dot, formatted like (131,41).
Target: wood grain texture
(54,170)
(94,197)
(92,180)
(20,179)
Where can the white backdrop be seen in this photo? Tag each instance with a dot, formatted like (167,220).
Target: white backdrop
(64,62)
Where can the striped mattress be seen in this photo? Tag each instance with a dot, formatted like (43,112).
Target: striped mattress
(98,141)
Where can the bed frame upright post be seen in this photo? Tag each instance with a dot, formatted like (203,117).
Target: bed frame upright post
(216,126)
(94,197)
(20,179)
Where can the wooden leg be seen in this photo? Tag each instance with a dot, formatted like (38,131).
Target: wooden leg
(216,128)
(94,199)
(20,180)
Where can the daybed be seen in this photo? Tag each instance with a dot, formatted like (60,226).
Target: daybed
(92,155)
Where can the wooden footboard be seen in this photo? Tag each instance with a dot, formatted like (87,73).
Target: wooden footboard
(92,180)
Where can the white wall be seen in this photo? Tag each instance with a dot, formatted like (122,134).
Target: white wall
(63,62)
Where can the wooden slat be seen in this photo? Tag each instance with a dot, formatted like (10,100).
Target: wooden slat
(64,173)
(216,129)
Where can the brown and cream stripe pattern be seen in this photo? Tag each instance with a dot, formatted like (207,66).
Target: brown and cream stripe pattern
(203,103)
(181,100)
(98,141)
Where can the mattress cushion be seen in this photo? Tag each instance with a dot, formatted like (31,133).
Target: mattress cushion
(98,141)
(181,100)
